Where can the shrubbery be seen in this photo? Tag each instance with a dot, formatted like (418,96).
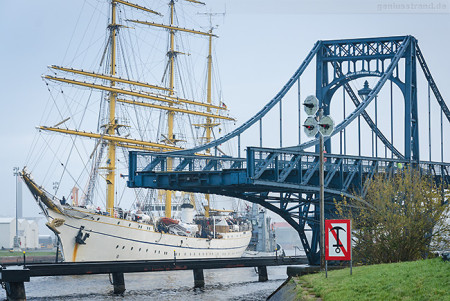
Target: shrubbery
(405,218)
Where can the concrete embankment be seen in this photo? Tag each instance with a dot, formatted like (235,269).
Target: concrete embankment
(288,290)
(28,259)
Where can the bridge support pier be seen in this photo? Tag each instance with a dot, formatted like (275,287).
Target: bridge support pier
(118,283)
(262,274)
(199,278)
(15,291)
(14,278)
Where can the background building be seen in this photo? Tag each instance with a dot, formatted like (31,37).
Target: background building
(7,232)
(28,233)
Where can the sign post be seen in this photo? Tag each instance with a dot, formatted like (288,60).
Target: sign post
(338,241)
(324,125)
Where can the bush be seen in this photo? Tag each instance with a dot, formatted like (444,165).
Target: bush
(404,218)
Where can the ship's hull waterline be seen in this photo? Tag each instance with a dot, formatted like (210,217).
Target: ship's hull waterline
(113,239)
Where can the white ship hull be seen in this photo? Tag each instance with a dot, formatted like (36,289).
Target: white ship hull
(113,239)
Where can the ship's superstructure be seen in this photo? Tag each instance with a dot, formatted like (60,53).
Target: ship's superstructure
(88,232)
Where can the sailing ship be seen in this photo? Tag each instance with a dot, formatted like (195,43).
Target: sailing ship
(87,232)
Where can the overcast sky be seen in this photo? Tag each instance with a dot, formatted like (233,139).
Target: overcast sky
(261,44)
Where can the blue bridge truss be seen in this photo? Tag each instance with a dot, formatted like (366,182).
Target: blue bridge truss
(285,180)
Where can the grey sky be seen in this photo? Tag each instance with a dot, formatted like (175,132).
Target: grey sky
(261,44)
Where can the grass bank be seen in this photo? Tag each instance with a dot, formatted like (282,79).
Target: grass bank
(417,280)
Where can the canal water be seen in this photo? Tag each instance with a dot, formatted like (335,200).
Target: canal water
(220,284)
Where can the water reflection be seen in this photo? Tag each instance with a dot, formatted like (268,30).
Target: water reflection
(221,284)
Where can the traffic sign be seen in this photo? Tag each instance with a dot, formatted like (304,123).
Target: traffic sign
(338,239)
(326,126)
(311,126)
(311,105)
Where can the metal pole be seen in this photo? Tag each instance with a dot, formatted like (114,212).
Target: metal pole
(341,133)
(351,249)
(16,246)
(281,125)
(376,124)
(239,146)
(260,132)
(442,140)
(57,249)
(260,138)
(322,208)
(345,136)
(392,120)
(299,115)
(429,124)
(373,145)
(17,215)
(359,135)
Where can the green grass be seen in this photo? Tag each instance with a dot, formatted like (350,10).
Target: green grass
(416,280)
(7,253)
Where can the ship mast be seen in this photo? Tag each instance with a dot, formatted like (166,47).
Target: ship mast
(168,101)
(112,124)
(209,125)
(170,114)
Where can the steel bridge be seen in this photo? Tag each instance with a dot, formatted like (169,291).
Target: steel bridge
(285,180)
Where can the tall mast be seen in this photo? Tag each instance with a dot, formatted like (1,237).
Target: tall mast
(208,93)
(111,161)
(171,54)
(208,119)
(170,114)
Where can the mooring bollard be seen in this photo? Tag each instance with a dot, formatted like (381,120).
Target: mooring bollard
(118,283)
(199,279)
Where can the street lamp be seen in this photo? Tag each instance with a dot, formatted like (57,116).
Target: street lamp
(364,94)
(365,91)
(16,244)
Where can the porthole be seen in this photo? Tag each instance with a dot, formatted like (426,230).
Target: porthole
(123,247)
(98,218)
(117,246)
(129,225)
(118,223)
(139,249)
(131,248)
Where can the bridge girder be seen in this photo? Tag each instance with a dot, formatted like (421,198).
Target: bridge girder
(285,182)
